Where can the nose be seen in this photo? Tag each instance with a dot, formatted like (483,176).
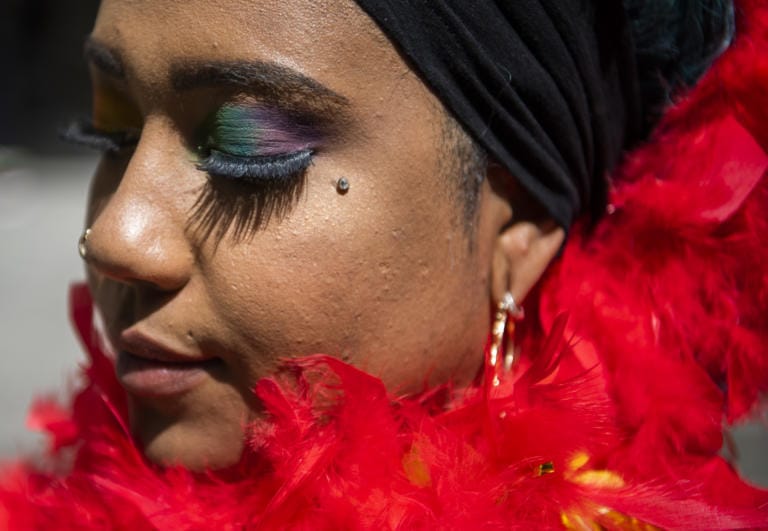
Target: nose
(137,227)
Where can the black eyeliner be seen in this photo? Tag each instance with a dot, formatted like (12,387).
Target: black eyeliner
(262,169)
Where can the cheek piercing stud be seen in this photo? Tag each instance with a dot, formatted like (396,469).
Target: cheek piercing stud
(342,185)
(82,244)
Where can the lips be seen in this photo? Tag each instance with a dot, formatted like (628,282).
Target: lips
(148,368)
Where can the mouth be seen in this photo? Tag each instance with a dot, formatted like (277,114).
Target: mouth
(146,368)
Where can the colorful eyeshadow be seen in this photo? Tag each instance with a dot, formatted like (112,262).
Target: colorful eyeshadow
(113,112)
(256,131)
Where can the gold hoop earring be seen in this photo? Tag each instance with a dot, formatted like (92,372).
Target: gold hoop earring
(82,244)
(501,328)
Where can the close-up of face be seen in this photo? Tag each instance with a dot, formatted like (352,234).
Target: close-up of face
(277,182)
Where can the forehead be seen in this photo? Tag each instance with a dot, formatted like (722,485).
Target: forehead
(332,41)
(287,24)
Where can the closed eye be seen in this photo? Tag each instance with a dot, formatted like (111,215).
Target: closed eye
(266,169)
(273,184)
(83,133)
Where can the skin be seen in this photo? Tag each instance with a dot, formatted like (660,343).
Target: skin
(387,276)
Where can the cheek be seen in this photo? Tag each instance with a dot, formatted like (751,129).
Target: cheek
(363,275)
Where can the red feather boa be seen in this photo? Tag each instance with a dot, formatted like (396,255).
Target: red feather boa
(656,334)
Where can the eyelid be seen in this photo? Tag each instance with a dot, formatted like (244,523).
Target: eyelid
(254,130)
(269,169)
(113,108)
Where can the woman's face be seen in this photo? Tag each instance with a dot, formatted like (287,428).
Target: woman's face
(205,281)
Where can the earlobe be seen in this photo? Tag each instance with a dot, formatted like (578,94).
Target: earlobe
(522,253)
(526,241)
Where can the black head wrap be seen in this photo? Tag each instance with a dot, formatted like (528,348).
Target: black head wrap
(547,87)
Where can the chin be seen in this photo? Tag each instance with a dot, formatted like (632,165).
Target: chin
(194,449)
(197,440)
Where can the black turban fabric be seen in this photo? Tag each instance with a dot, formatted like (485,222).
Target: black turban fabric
(547,87)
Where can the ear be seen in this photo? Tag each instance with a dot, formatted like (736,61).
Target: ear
(523,250)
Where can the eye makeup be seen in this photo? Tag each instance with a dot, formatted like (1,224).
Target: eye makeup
(246,142)
(257,143)
(113,111)
(249,131)
(116,123)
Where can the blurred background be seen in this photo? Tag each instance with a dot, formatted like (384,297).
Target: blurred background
(43,185)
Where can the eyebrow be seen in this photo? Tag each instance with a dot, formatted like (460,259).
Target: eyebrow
(270,81)
(104,58)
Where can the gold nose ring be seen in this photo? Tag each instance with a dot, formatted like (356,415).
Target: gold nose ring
(82,244)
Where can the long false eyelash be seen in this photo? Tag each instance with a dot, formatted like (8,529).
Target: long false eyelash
(273,169)
(277,183)
(83,133)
